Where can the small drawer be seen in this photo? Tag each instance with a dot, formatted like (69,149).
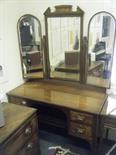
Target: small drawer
(32,147)
(110,121)
(18,100)
(79,130)
(81,117)
(22,136)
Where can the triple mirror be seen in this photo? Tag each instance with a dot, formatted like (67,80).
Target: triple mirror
(64,46)
(101,34)
(64,38)
(29,33)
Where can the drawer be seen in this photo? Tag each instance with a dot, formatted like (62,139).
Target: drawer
(21,136)
(18,100)
(81,117)
(79,130)
(32,147)
(110,122)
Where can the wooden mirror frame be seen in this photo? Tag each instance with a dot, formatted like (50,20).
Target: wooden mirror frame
(20,46)
(88,47)
(63,11)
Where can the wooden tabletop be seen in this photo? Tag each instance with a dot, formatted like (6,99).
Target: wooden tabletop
(15,115)
(68,68)
(81,99)
(35,75)
(65,75)
(98,81)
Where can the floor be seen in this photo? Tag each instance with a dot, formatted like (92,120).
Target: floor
(77,146)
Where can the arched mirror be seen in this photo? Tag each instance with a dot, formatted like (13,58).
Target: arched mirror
(29,34)
(101,34)
(64,31)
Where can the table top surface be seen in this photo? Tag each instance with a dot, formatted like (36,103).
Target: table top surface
(75,98)
(15,116)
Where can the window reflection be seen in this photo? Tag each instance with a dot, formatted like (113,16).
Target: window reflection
(29,31)
(101,48)
(111,108)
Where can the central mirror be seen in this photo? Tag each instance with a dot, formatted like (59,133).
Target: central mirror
(64,34)
(29,33)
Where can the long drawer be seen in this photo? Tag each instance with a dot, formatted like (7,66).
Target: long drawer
(81,117)
(18,100)
(80,130)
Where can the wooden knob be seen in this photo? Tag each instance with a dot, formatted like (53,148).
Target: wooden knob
(80,118)
(28,131)
(80,131)
(24,102)
(30,146)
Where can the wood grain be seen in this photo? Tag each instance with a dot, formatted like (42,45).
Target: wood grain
(65,96)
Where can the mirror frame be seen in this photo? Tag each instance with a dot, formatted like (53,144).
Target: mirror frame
(63,11)
(20,46)
(88,46)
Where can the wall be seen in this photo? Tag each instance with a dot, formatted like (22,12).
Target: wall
(10,12)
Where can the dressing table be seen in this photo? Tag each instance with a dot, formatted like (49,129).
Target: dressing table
(66,95)
(73,109)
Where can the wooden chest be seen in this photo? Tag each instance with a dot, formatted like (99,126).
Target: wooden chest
(19,136)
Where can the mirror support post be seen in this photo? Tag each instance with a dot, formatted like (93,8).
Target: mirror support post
(45,55)
(85,59)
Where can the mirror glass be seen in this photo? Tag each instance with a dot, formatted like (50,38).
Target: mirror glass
(29,32)
(100,49)
(64,47)
(64,33)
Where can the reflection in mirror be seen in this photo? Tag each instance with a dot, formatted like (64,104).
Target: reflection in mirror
(100,49)
(29,32)
(64,47)
(64,32)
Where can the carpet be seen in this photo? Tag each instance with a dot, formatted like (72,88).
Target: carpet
(76,145)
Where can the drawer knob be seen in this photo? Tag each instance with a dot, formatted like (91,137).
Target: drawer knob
(80,131)
(28,131)
(80,118)
(24,102)
(30,146)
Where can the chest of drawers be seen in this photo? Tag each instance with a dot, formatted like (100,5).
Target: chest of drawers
(19,136)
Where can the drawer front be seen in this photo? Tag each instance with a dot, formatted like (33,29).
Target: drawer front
(79,130)
(81,117)
(18,100)
(110,122)
(32,147)
(22,136)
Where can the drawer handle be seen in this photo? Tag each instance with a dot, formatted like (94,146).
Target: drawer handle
(30,146)
(24,102)
(80,118)
(28,131)
(80,131)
